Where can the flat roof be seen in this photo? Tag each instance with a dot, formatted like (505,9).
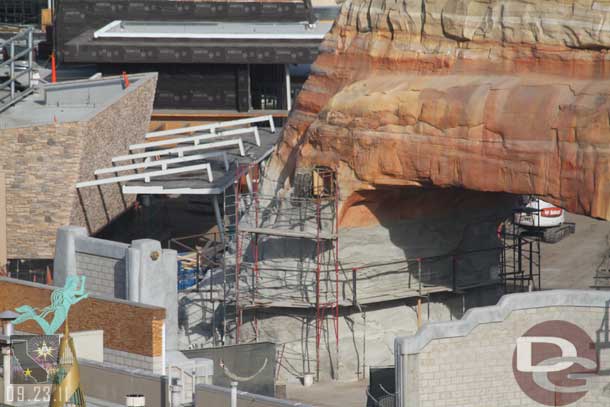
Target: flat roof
(215,30)
(68,101)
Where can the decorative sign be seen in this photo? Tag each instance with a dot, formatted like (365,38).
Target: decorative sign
(61,301)
(62,372)
(34,359)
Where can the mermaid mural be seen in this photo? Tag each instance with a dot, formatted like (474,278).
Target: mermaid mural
(61,301)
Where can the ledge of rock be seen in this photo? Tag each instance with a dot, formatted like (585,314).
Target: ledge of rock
(499,96)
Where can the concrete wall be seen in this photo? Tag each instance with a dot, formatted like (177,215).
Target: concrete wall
(42,164)
(207,395)
(470,362)
(90,344)
(112,384)
(453,232)
(102,282)
(104,263)
(365,338)
(142,272)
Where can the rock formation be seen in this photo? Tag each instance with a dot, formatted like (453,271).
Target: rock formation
(488,95)
(436,114)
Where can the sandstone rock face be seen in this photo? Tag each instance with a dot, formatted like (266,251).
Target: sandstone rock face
(489,95)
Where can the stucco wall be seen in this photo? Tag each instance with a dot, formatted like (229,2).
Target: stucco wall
(470,362)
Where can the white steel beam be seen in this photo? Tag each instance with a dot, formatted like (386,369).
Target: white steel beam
(160,190)
(163,163)
(181,150)
(146,176)
(106,33)
(107,27)
(197,139)
(213,126)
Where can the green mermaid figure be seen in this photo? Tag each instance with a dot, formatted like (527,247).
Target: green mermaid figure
(61,301)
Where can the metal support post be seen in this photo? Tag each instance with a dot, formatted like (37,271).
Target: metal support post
(233,394)
(6,362)
(218,216)
(12,70)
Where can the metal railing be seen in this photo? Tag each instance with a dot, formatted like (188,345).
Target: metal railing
(10,86)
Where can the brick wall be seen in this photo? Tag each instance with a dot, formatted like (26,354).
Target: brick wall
(128,327)
(470,362)
(43,163)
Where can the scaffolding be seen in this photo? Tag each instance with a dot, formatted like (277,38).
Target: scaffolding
(18,62)
(280,258)
(309,215)
(520,259)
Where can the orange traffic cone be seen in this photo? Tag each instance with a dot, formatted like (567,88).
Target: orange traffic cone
(49,277)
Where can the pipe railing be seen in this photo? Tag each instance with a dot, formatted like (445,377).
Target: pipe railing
(13,56)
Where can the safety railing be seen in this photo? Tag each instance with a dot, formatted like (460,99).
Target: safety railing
(9,92)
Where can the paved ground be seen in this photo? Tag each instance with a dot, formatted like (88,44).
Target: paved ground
(572,262)
(333,394)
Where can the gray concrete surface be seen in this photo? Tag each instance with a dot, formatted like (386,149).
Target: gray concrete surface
(148,273)
(330,394)
(207,395)
(67,102)
(572,262)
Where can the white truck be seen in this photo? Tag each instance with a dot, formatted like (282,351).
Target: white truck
(544,219)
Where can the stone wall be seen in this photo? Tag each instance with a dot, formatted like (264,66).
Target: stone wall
(471,361)
(41,168)
(109,134)
(43,163)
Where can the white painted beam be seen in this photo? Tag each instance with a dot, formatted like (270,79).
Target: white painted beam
(181,150)
(197,139)
(160,190)
(146,176)
(213,126)
(163,163)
